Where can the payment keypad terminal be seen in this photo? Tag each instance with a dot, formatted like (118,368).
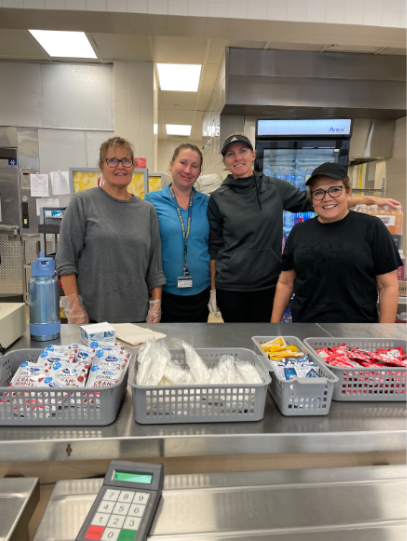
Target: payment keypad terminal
(126,503)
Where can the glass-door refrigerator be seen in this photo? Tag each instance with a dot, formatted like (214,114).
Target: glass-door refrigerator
(292,149)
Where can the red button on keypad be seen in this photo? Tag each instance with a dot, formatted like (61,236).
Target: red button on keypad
(94,532)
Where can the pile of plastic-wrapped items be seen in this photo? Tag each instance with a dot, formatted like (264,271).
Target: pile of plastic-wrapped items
(156,366)
(75,365)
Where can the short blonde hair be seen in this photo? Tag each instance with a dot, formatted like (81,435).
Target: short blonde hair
(114,142)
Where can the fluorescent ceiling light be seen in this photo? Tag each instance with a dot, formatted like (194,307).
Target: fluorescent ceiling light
(178,129)
(179,77)
(155,129)
(64,44)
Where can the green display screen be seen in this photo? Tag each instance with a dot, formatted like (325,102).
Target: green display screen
(133,477)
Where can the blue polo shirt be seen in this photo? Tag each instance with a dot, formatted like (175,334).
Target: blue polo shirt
(173,243)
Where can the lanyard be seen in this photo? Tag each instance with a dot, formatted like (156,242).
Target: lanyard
(185,233)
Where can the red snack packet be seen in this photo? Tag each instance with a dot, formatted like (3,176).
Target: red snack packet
(324,353)
(394,352)
(358,356)
(341,361)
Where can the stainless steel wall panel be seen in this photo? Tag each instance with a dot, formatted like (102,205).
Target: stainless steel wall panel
(93,141)
(320,93)
(11,268)
(61,149)
(312,64)
(77,96)
(371,138)
(8,137)
(28,158)
(301,84)
(20,91)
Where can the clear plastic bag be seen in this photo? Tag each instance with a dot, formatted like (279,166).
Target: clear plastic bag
(153,359)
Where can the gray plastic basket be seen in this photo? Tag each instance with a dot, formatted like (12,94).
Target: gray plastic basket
(300,396)
(366,384)
(68,406)
(201,403)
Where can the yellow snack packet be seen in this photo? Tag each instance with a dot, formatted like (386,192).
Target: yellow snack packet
(279,341)
(273,349)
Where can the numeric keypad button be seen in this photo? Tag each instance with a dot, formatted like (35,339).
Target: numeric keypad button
(132,523)
(116,521)
(136,510)
(141,497)
(106,507)
(111,534)
(121,508)
(100,519)
(111,495)
(126,496)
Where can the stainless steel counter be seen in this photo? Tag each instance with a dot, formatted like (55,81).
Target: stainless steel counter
(18,500)
(349,427)
(346,504)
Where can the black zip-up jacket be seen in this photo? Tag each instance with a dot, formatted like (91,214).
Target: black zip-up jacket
(246,230)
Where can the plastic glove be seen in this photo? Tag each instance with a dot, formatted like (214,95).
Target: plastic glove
(213,307)
(154,312)
(74,310)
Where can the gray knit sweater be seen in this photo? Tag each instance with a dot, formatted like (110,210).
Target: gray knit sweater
(114,248)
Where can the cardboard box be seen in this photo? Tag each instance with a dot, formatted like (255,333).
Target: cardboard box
(13,323)
(402,288)
(98,332)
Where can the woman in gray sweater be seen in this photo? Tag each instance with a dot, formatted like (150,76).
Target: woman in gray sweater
(109,251)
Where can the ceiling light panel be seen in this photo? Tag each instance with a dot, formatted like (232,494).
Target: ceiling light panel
(178,129)
(64,44)
(179,77)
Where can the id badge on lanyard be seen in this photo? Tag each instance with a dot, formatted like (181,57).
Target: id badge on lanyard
(186,279)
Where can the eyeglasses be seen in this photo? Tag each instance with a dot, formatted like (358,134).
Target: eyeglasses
(334,191)
(114,162)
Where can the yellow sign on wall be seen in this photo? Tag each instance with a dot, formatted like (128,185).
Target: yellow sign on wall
(85,179)
(155,183)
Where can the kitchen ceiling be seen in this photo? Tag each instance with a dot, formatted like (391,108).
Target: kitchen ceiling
(190,40)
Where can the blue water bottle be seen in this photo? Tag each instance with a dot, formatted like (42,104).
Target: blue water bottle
(43,289)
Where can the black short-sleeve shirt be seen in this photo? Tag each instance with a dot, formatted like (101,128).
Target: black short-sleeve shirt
(336,266)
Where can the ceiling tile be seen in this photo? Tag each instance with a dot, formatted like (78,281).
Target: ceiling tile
(209,77)
(203,100)
(139,24)
(217,51)
(247,44)
(178,117)
(390,50)
(184,50)
(295,46)
(186,101)
(123,47)
(351,49)
(20,44)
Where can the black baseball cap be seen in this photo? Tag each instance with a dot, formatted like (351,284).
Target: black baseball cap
(328,169)
(235,139)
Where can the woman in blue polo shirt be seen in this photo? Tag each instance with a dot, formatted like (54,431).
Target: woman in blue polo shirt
(184,230)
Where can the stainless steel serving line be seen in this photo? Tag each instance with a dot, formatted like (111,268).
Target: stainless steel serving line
(345,504)
(18,500)
(349,427)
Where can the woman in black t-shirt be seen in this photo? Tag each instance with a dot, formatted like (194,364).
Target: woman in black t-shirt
(336,262)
